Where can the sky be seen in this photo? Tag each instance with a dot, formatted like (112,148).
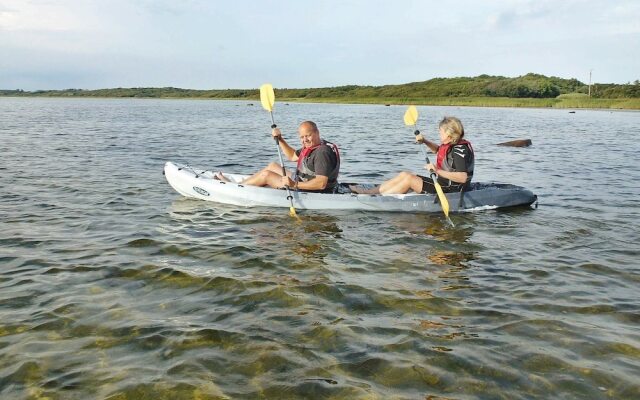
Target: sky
(216,44)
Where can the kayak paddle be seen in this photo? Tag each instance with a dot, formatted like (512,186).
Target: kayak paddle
(268,98)
(410,119)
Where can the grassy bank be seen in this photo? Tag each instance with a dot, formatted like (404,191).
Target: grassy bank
(559,102)
(586,103)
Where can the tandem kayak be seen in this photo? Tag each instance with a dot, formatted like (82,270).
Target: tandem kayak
(200,184)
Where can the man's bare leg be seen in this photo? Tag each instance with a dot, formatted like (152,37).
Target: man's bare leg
(270,176)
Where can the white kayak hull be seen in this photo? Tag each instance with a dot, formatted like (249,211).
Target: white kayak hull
(199,184)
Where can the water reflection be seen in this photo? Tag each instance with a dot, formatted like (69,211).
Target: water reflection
(455,259)
(435,226)
(310,237)
(442,274)
(261,230)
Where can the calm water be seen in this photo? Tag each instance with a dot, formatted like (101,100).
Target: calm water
(112,286)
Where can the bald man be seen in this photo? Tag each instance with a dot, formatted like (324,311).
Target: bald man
(318,164)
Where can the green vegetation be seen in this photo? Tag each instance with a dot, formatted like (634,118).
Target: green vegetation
(167,92)
(531,90)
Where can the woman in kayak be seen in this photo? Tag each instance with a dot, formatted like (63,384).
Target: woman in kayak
(318,164)
(454,165)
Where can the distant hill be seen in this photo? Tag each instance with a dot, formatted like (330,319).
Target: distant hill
(526,86)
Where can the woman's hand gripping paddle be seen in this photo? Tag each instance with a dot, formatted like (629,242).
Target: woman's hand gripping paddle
(268,98)
(410,119)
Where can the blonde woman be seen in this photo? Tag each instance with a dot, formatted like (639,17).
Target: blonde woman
(454,164)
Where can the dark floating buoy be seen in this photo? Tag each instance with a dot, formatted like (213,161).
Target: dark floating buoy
(572,112)
(517,143)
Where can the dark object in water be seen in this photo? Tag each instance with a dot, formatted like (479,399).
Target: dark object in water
(517,143)
(387,105)
(329,381)
(572,112)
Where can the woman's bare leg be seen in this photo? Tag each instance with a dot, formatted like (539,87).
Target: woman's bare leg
(399,184)
(402,183)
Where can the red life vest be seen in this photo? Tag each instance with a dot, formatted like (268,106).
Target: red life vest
(443,149)
(307,151)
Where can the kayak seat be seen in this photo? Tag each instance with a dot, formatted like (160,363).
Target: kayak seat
(345,188)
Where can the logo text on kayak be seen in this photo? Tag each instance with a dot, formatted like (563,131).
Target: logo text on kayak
(201,191)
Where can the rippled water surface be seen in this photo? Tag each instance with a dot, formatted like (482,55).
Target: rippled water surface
(112,286)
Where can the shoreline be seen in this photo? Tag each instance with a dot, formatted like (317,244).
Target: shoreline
(623,104)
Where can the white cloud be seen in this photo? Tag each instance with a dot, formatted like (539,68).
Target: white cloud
(569,18)
(622,19)
(44,16)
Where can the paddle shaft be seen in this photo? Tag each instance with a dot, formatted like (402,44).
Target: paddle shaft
(277,139)
(433,175)
(284,171)
(410,119)
(267,98)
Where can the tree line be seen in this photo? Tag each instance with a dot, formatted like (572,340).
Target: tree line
(526,86)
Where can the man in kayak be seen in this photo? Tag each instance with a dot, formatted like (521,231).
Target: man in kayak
(318,164)
(454,165)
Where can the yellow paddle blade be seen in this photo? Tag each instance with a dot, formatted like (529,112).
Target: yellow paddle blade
(292,212)
(267,97)
(443,199)
(411,116)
